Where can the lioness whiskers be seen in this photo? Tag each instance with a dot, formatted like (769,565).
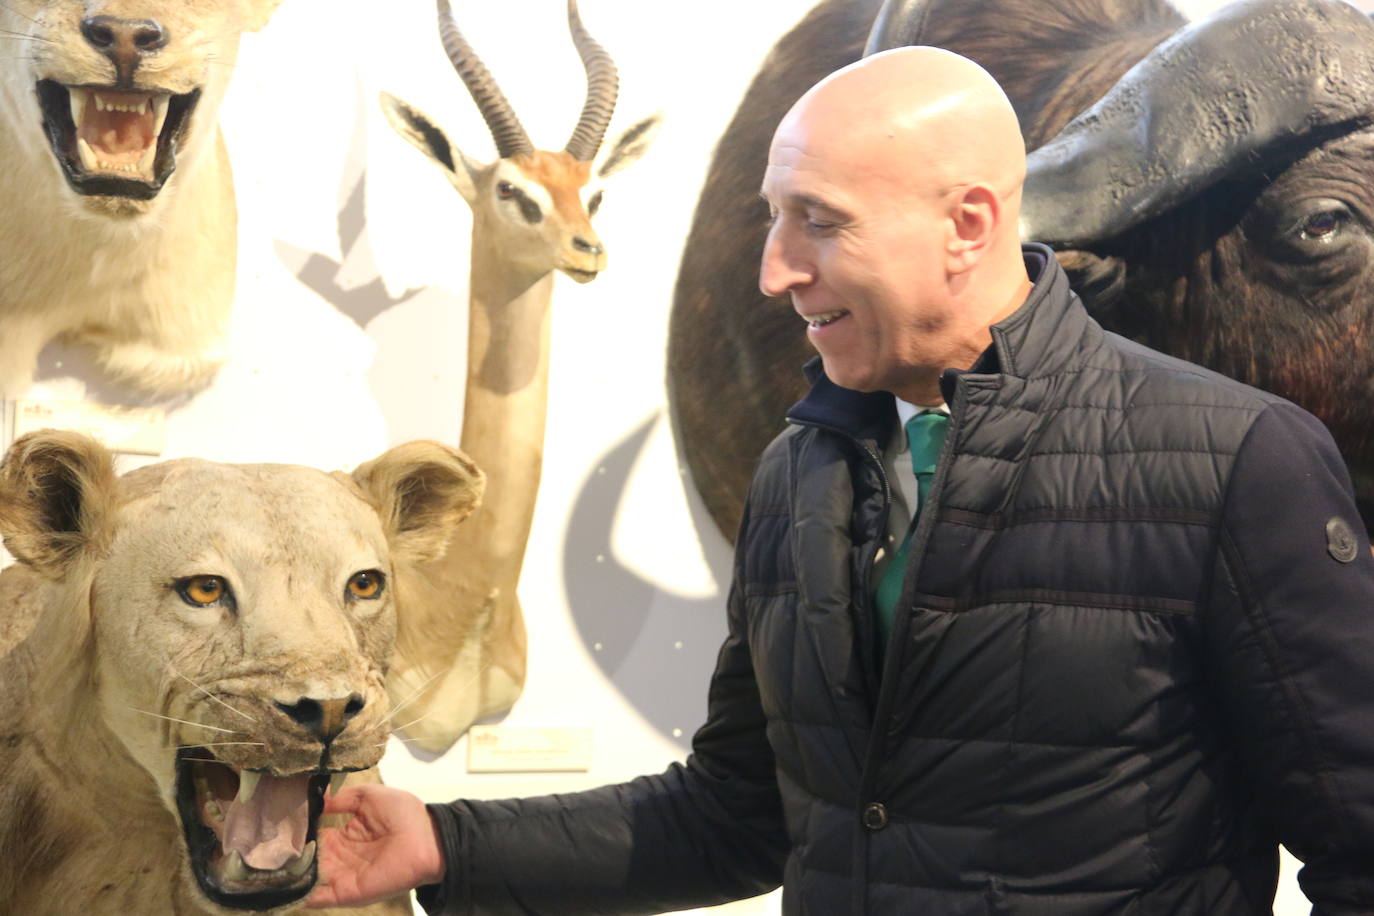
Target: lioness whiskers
(414,694)
(213,728)
(7,7)
(6,33)
(176,747)
(213,697)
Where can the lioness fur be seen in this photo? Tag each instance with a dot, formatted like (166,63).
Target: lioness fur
(109,672)
(145,281)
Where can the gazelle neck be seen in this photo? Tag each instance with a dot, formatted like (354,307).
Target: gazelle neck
(507,389)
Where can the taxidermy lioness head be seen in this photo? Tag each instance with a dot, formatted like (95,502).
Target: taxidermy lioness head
(118,93)
(188,655)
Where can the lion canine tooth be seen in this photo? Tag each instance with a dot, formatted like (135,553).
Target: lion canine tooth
(145,162)
(234,869)
(248,784)
(302,865)
(87,155)
(159,103)
(336,783)
(79,98)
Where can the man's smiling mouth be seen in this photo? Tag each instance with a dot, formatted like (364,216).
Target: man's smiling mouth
(821,319)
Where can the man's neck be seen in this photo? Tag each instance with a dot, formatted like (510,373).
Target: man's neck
(924,389)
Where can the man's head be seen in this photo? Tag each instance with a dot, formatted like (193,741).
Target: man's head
(895,187)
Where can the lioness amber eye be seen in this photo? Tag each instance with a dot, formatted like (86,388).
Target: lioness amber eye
(365,584)
(202,589)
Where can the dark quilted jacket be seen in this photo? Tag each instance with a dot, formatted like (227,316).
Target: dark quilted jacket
(1134,652)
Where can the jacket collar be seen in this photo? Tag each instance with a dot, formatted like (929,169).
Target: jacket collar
(1039,338)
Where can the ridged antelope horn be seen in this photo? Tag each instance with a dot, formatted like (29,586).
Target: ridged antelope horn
(510,136)
(602,87)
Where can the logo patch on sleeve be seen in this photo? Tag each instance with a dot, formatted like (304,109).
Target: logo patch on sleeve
(1341,542)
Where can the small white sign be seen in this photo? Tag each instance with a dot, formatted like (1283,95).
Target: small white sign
(506,749)
(136,430)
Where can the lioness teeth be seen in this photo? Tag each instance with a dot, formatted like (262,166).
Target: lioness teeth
(234,869)
(88,160)
(302,864)
(336,783)
(248,784)
(159,114)
(79,98)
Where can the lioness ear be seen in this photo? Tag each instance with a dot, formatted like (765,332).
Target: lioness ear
(56,491)
(421,490)
(258,12)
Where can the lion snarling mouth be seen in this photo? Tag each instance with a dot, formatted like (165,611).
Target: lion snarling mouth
(250,834)
(113,143)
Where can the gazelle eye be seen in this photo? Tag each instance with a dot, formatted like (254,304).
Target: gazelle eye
(505,190)
(594,204)
(202,591)
(366,584)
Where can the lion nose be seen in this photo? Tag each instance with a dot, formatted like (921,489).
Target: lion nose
(324,719)
(124,41)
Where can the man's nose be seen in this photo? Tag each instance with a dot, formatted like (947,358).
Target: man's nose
(781,270)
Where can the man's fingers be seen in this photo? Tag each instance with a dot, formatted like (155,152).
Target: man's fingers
(348,801)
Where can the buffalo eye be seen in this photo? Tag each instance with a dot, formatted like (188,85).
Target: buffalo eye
(505,190)
(366,584)
(594,204)
(1324,225)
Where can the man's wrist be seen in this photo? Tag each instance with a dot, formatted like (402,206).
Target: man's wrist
(434,866)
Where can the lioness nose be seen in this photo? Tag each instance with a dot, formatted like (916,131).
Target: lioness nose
(324,719)
(124,41)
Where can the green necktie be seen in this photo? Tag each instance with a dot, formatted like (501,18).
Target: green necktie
(925,434)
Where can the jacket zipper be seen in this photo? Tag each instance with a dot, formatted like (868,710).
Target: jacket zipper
(882,710)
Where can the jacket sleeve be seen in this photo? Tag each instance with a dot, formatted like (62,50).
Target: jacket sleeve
(1290,648)
(700,833)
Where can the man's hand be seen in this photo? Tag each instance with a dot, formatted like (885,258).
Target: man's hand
(388,846)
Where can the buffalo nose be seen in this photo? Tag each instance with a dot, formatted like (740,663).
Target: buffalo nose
(124,41)
(582,244)
(324,719)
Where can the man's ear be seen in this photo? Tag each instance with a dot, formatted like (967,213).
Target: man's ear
(974,215)
(421,490)
(57,492)
(428,138)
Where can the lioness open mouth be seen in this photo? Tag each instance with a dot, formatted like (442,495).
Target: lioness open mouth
(112,143)
(250,835)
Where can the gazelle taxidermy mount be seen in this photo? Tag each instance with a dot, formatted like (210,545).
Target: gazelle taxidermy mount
(529,219)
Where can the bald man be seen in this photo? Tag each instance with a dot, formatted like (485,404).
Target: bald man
(1019,624)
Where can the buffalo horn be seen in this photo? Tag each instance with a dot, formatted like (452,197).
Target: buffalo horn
(602,87)
(1217,95)
(511,139)
(898,24)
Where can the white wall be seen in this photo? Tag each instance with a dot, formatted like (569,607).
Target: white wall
(621,556)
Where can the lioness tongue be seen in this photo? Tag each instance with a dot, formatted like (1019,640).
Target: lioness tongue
(268,830)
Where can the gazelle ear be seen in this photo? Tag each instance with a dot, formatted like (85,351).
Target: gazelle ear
(630,145)
(429,139)
(56,494)
(421,490)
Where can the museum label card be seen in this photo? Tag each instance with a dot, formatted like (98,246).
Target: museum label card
(136,430)
(506,749)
